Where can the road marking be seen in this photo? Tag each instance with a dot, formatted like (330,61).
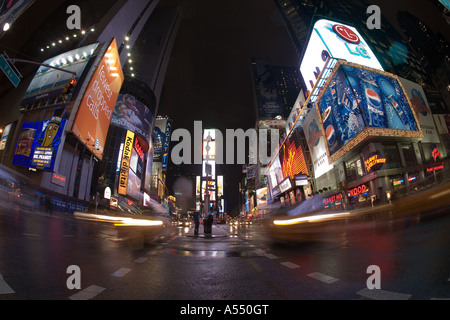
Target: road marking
(377,294)
(290,265)
(88,293)
(322,277)
(270,256)
(121,272)
(4,287)
(141,260)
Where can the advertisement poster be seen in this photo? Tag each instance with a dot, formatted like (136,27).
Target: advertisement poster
(266,88)
(48,82)
(420,105)
(131,114)
(38,144)
(356,98)
(316,143)
(95,111)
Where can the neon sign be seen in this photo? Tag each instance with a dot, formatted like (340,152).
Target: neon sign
(374,162)
(357,190)
(333,198)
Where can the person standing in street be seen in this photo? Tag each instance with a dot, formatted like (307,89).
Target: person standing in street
(196,222)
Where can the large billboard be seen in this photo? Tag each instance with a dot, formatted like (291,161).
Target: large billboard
(38,143)
(265,88)
(131,114)
(48,82)
(359,102)
(335,40)
(96,108)
(315,137)
(420,106)
(292,157)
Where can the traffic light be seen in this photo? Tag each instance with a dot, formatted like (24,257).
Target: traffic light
(67,90)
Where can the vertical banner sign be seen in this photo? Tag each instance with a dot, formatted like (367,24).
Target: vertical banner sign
(94,114)
(166,145)
(125,164)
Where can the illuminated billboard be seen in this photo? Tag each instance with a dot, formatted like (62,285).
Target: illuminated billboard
(358,103)
(315,138)
(292,157)
(38,143)
(48,82)
(335,40)
(131,114)
(95,111)
(421,107)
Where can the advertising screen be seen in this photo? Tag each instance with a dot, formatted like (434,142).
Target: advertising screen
(48,82)
(131,114)
(291,155)
(95,111)
(335,40)
(362,101)
(38,143)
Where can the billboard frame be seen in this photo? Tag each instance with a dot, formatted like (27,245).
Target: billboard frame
(368,133)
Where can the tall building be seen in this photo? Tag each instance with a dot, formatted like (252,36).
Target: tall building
(388,45)
(118,58)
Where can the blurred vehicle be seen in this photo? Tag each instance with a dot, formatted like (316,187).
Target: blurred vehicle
(319,224)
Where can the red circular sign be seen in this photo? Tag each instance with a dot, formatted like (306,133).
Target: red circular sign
(346,34)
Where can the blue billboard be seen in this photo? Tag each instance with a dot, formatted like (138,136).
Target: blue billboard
(357,98)
(38,143)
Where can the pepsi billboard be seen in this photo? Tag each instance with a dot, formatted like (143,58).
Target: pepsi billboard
(359,102)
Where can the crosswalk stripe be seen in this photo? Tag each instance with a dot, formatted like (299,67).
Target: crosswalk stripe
(322,277)
(4,287)
(88,293)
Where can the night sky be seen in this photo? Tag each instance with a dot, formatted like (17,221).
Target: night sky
(209,73)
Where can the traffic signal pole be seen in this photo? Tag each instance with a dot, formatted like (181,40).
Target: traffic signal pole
(43,64)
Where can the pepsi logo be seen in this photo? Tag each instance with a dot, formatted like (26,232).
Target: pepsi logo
(331,135)
(346,34)
(373,97)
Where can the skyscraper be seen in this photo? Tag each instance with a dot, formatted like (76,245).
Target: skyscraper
(141,34)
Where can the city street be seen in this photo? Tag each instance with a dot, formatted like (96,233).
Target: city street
(234,263)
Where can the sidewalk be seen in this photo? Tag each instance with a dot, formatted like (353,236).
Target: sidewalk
(217,232)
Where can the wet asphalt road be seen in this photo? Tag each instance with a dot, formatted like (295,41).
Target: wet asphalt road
(236,263)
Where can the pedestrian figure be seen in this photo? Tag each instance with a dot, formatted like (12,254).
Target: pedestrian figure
(48,204)
(210,223)
(196,222)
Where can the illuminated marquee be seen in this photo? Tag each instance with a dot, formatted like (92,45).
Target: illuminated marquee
(375,162)
(357,190)
(125,164)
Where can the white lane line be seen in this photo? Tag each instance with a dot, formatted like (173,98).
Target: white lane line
(88,293)
(140,260)
(4,287)
(290,265)
(378,294)
(121,272)
(322,277)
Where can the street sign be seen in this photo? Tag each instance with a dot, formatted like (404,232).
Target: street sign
(8,70)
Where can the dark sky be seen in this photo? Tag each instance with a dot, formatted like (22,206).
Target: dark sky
(209,73)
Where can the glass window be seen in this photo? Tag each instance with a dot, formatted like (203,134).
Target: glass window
(409,154)
(392,156)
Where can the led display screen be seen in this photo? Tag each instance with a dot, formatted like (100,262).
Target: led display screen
(291,155)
